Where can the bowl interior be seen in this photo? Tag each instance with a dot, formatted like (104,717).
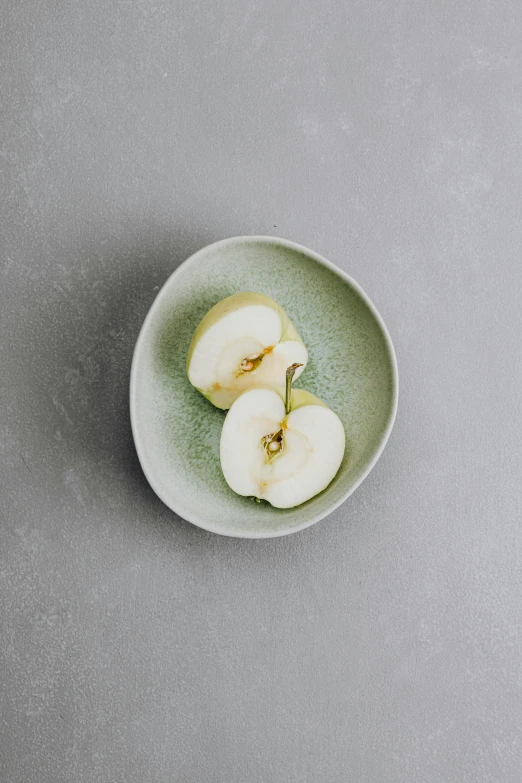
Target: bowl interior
(177,431)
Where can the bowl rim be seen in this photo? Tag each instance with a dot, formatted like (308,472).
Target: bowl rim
(189,516)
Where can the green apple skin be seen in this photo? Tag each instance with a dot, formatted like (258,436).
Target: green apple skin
(299,398)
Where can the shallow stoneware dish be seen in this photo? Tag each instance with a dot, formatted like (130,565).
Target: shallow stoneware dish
(352,367)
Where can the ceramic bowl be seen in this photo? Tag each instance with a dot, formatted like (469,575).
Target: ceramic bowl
(352,367)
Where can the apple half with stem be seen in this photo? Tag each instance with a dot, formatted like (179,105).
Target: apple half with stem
(281,448)
(243,341)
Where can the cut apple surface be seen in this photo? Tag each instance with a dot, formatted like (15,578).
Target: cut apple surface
(284,458)
(243,341)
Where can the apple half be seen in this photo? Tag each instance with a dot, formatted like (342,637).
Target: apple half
(243,341)
(282,453)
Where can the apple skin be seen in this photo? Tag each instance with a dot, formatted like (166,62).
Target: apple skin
(225,307)
(299,398)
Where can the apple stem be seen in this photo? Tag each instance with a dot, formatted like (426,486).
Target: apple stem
(289,378)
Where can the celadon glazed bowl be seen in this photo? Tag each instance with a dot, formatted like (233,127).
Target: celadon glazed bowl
(352,367)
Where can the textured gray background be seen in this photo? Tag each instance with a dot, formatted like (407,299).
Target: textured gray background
(385,643)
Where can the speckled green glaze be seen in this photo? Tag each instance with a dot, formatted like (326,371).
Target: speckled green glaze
(352,367)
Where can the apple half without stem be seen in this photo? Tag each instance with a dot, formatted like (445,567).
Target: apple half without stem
(284,458)
(243,341)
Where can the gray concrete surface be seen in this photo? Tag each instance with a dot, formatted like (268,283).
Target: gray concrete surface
(383,645)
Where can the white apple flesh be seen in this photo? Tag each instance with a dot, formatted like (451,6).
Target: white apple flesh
(284,458)
(243,341)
